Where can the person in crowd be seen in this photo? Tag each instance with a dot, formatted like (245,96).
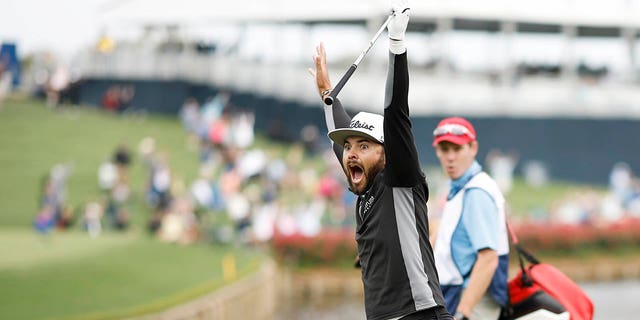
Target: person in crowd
(118,98)
(620,181)
(501,166)
(111,99)
(380,160)
(159,195)
(127,93)
(122,160)
(5,79)
(57,83)
(471,245)
(67,218)
(92,218)
(52,197)
(191,121)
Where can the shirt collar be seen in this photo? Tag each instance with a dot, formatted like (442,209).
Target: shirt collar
(458,184)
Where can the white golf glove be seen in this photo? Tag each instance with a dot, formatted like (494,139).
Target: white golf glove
(398,25)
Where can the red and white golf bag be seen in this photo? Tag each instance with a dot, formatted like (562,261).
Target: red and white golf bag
(541,292)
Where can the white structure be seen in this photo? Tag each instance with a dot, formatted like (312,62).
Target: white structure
(519,58)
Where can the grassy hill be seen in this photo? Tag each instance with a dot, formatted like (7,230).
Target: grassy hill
(34,138)
(68,275)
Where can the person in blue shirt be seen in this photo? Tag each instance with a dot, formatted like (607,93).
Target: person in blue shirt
(471,246)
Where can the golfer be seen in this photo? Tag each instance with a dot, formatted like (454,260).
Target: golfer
(379,157)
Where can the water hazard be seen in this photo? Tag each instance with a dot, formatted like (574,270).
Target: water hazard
(616,300)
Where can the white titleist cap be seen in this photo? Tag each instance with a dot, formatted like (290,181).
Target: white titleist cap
(364,124)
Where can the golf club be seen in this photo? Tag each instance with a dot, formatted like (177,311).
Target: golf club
(334,93)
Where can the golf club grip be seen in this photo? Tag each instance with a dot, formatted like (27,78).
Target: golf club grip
(334,93)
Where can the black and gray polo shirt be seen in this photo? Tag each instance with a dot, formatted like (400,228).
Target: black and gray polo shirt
(398,268)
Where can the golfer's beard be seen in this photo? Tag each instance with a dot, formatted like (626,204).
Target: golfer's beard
(370,174)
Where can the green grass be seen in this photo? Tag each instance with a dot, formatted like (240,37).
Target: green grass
(71,276)
(34,138)
(23,249)
(68,275)
(525,199)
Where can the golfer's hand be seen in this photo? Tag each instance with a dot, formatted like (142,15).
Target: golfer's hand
(398,24)
(321,73)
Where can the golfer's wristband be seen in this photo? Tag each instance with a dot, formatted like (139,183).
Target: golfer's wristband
(397,46)
(324,93)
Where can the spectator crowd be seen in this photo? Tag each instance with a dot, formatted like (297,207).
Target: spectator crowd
(242,193)
(247,193)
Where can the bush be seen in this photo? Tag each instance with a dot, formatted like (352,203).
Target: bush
(566,238)
(331,247)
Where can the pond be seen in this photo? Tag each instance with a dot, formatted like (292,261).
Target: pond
(616,300)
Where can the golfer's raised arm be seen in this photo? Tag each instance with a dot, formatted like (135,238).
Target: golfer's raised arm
(402,156)
(335,115)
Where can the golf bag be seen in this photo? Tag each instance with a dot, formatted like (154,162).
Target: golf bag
(542,292)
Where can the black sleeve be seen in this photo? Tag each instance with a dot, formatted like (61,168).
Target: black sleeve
(336,117)
(402,167)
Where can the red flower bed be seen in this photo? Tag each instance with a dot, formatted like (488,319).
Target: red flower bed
(330,247)
(560,237)
(338,247)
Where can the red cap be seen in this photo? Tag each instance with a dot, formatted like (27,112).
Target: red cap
(455,130)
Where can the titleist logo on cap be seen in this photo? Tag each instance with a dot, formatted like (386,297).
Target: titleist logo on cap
(364,124)
(361,125)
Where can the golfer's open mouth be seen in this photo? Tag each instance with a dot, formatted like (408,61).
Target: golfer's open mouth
(356,173)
